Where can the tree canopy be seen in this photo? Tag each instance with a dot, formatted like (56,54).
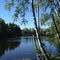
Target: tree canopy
(21,7)
(9,30)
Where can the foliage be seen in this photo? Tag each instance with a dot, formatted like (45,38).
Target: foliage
(44,18)
(21,10)
(54,40)
(21,6)
(53,6)
(9,30)
(28,32)
(14,30)
(51,30)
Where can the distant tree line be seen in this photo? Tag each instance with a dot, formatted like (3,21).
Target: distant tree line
(9,30)
(28,32)
(12,30)
(51,30)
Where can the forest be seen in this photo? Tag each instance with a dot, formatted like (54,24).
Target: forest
(13,30)
(45,36)
(9,30)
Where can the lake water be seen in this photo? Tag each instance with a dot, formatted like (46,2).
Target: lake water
(19,48)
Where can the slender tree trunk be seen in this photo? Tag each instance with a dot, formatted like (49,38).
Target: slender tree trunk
(37,34)
(35,20)
(57,15)
(56,27)
(38,21)
(35,47)
(38,15)
(59,2)
(57,11)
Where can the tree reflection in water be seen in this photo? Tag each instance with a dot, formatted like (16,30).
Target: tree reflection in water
(52,47)
(56,43)
(7,45)
(37,50)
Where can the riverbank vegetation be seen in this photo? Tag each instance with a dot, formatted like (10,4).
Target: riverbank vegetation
(9,30)
(12,30)
(50,15)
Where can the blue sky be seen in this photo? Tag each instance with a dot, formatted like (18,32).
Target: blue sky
(7,16)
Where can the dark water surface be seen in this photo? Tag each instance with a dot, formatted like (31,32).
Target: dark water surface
(18,48)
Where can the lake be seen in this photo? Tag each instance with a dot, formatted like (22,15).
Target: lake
(24,48)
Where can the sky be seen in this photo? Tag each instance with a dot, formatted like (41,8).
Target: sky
(7,16)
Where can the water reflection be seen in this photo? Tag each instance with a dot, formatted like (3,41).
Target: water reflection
(17,49)
(52,48)
(24,47)
(36,49)
(55,42)
(7,45)
(40,55)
